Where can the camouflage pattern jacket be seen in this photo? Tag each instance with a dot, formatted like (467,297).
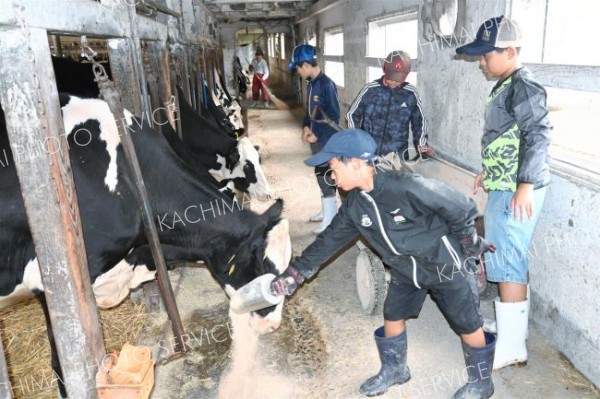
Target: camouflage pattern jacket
(516,134)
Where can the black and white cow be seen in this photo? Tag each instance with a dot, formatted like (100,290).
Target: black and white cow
(230,159)
(212,109)
(231,105)
(197,223)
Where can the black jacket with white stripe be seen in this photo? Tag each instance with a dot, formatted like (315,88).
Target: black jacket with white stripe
(407,219)
(387,114)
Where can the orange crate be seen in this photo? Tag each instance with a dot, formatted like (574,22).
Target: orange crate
(131,376)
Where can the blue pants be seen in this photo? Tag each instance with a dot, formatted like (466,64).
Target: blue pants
(510,236)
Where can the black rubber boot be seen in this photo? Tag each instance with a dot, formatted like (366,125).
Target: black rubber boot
(479,363)
(392,352)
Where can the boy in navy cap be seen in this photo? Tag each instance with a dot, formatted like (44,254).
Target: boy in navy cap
(418,227)
(515,143)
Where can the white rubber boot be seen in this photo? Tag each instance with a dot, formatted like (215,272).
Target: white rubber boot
(329,211)
(512,321)
(528,307)
(489,325)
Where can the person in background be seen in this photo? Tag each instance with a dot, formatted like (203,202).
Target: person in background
(388,107)
(516,171)
(418,226)
(261,74)
(322,103)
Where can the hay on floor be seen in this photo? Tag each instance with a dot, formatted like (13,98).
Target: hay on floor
(25,340)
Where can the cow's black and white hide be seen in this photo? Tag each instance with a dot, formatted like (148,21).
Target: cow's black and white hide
(242,77)
(211,109)
(197,223)
(231,105)
(230,159)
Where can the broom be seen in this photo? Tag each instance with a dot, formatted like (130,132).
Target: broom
(279,104)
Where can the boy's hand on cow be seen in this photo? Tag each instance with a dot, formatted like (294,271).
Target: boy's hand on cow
(287,282)
(474,246)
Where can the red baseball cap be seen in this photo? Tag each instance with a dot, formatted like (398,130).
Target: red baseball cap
(397,66)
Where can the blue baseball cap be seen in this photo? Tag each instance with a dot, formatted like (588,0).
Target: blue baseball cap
(351,143)
(301,53)
(494,34)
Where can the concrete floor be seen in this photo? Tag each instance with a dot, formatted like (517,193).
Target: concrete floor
(325,348)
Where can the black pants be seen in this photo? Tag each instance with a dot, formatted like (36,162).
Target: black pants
(450,288)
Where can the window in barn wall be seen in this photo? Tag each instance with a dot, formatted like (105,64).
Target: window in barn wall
(575,116)
(399,32)
(282,46)
(557,33)
(333,55)
(270,46)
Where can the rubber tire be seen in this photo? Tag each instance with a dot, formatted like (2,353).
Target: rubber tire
(371,284)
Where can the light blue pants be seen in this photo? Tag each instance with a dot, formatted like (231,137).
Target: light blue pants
(511,237)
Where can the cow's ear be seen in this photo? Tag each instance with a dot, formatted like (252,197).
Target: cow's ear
(273,214)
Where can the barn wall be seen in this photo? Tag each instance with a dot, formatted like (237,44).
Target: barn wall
(563,257)
(353,16)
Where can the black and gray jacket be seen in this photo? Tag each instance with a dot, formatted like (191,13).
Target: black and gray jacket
(405,218)
(516,135)
(387,114)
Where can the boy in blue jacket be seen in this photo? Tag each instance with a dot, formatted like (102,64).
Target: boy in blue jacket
(322,103)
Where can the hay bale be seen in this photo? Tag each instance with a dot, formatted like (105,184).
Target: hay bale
(27,349)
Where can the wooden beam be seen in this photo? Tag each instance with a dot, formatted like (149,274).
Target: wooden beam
(122,68)
(30,100)
(5,387)
(80,17)
(159,60)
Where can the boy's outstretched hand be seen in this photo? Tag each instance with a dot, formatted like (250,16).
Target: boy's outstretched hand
(287,282)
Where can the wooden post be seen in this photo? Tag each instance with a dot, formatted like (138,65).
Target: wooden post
(30,99)
(5,387)
(57,46)
(159,59)
(193,71)
(123,74)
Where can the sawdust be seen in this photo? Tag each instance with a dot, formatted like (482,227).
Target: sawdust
(246,377)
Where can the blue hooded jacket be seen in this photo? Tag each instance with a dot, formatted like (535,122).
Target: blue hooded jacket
(387,114)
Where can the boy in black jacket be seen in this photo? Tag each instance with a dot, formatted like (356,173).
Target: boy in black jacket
(424,231)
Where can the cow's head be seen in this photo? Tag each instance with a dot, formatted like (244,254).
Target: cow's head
(268,250)
(234,113)
(246,174)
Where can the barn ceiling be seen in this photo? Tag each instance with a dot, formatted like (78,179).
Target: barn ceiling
(256,10)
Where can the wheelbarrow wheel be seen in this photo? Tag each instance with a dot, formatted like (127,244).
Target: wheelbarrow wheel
(371,284)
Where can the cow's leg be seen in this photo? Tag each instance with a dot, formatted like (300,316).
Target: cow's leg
(55,361)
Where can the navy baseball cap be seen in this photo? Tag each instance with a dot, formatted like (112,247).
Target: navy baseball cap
(351,143)
(494,34)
